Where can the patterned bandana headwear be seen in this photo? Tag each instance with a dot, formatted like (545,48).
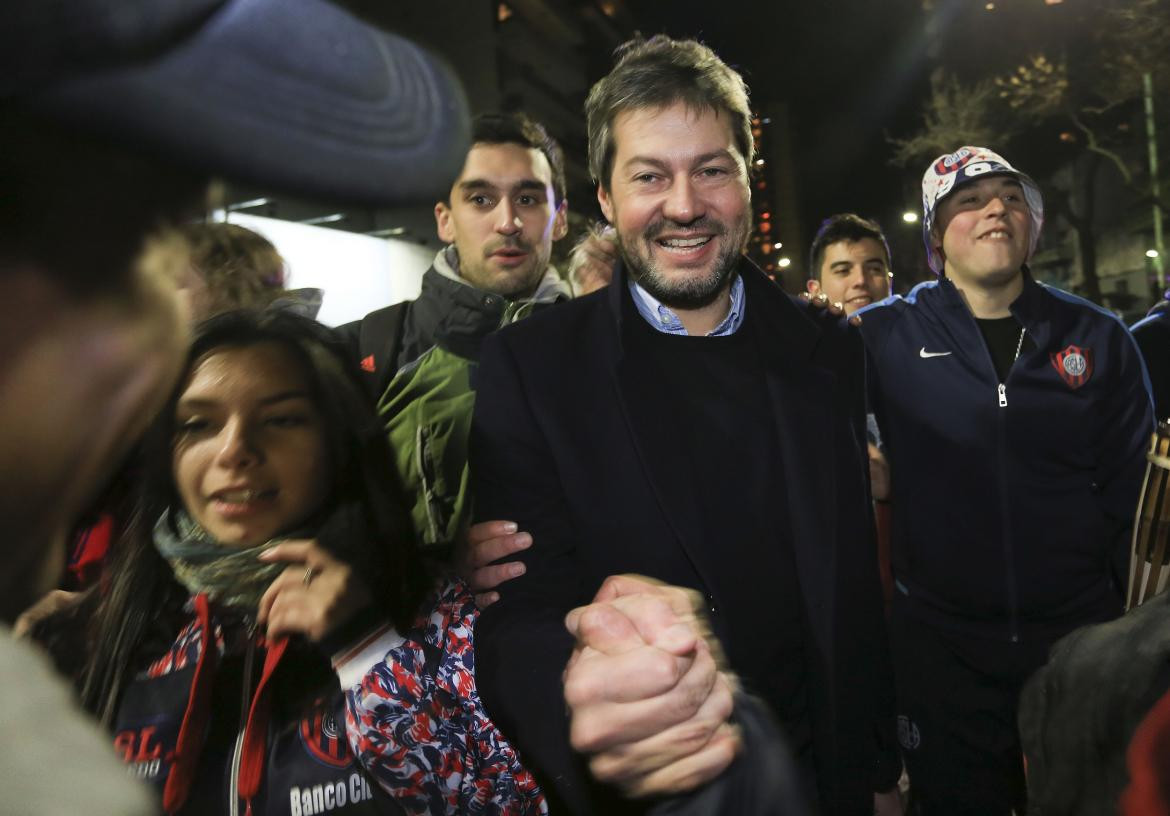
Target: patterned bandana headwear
(948,172)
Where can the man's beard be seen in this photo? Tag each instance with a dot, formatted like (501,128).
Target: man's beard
(512,284)
(693,292)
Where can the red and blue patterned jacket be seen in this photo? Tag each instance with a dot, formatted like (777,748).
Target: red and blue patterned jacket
(226,722)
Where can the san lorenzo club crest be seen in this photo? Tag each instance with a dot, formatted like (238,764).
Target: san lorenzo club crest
(324,739)
(1074,365)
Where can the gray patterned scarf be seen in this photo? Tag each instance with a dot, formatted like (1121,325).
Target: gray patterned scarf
(229,575)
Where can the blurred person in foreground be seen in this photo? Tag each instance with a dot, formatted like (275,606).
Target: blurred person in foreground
(1095,718)
(118,112)
(1015,417)
(90,103)
(712,402)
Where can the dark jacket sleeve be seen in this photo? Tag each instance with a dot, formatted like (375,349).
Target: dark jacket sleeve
(1153,339)
(762,780)
(1127,422)
(887,768)
(348,334)
(522,645)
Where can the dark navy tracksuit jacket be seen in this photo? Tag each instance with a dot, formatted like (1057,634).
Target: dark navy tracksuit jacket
(1013,501)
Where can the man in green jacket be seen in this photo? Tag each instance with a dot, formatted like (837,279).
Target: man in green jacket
(499,219)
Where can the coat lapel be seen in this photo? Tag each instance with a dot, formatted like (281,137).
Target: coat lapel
(657,438)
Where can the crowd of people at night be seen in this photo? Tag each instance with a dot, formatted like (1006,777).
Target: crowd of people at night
(649,536)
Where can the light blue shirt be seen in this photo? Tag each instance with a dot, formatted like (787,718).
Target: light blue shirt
(666,321)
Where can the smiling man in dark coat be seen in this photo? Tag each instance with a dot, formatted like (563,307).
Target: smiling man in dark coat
(689,423)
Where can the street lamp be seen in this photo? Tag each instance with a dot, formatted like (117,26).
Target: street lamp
(784,262)
(1151,253)
(910,217)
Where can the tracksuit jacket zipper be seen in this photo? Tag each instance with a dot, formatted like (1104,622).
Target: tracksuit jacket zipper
(1004,510)
(245,700)
(1009,549)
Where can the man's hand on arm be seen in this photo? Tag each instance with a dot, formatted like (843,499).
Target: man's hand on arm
(835,308)
(648,698)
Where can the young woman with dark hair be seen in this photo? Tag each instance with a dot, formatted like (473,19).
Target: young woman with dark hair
(256,645)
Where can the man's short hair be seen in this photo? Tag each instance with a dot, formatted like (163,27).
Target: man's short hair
(657,73)
(516,128)
(843,227)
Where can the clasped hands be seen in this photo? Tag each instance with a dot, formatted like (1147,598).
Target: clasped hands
(648,694)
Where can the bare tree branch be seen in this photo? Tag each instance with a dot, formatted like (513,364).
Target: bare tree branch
(1092,144)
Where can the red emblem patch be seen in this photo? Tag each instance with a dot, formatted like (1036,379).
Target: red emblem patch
(324,740)
(368,363)
(1074,365)
(951,163)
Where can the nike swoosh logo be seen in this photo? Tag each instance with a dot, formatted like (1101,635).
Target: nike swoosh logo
(924,354)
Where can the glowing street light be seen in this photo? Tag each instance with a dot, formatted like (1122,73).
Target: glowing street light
(910,217)
(784,262)
(1151,253)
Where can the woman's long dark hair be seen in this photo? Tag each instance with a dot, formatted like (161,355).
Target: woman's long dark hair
(366,522)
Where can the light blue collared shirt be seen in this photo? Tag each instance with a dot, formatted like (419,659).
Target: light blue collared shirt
(666,321)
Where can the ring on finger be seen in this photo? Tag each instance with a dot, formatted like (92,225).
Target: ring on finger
(309,572)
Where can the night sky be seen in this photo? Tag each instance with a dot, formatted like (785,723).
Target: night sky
(851,72)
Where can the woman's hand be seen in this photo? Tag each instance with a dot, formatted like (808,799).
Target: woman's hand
(315,595)
(484,544)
